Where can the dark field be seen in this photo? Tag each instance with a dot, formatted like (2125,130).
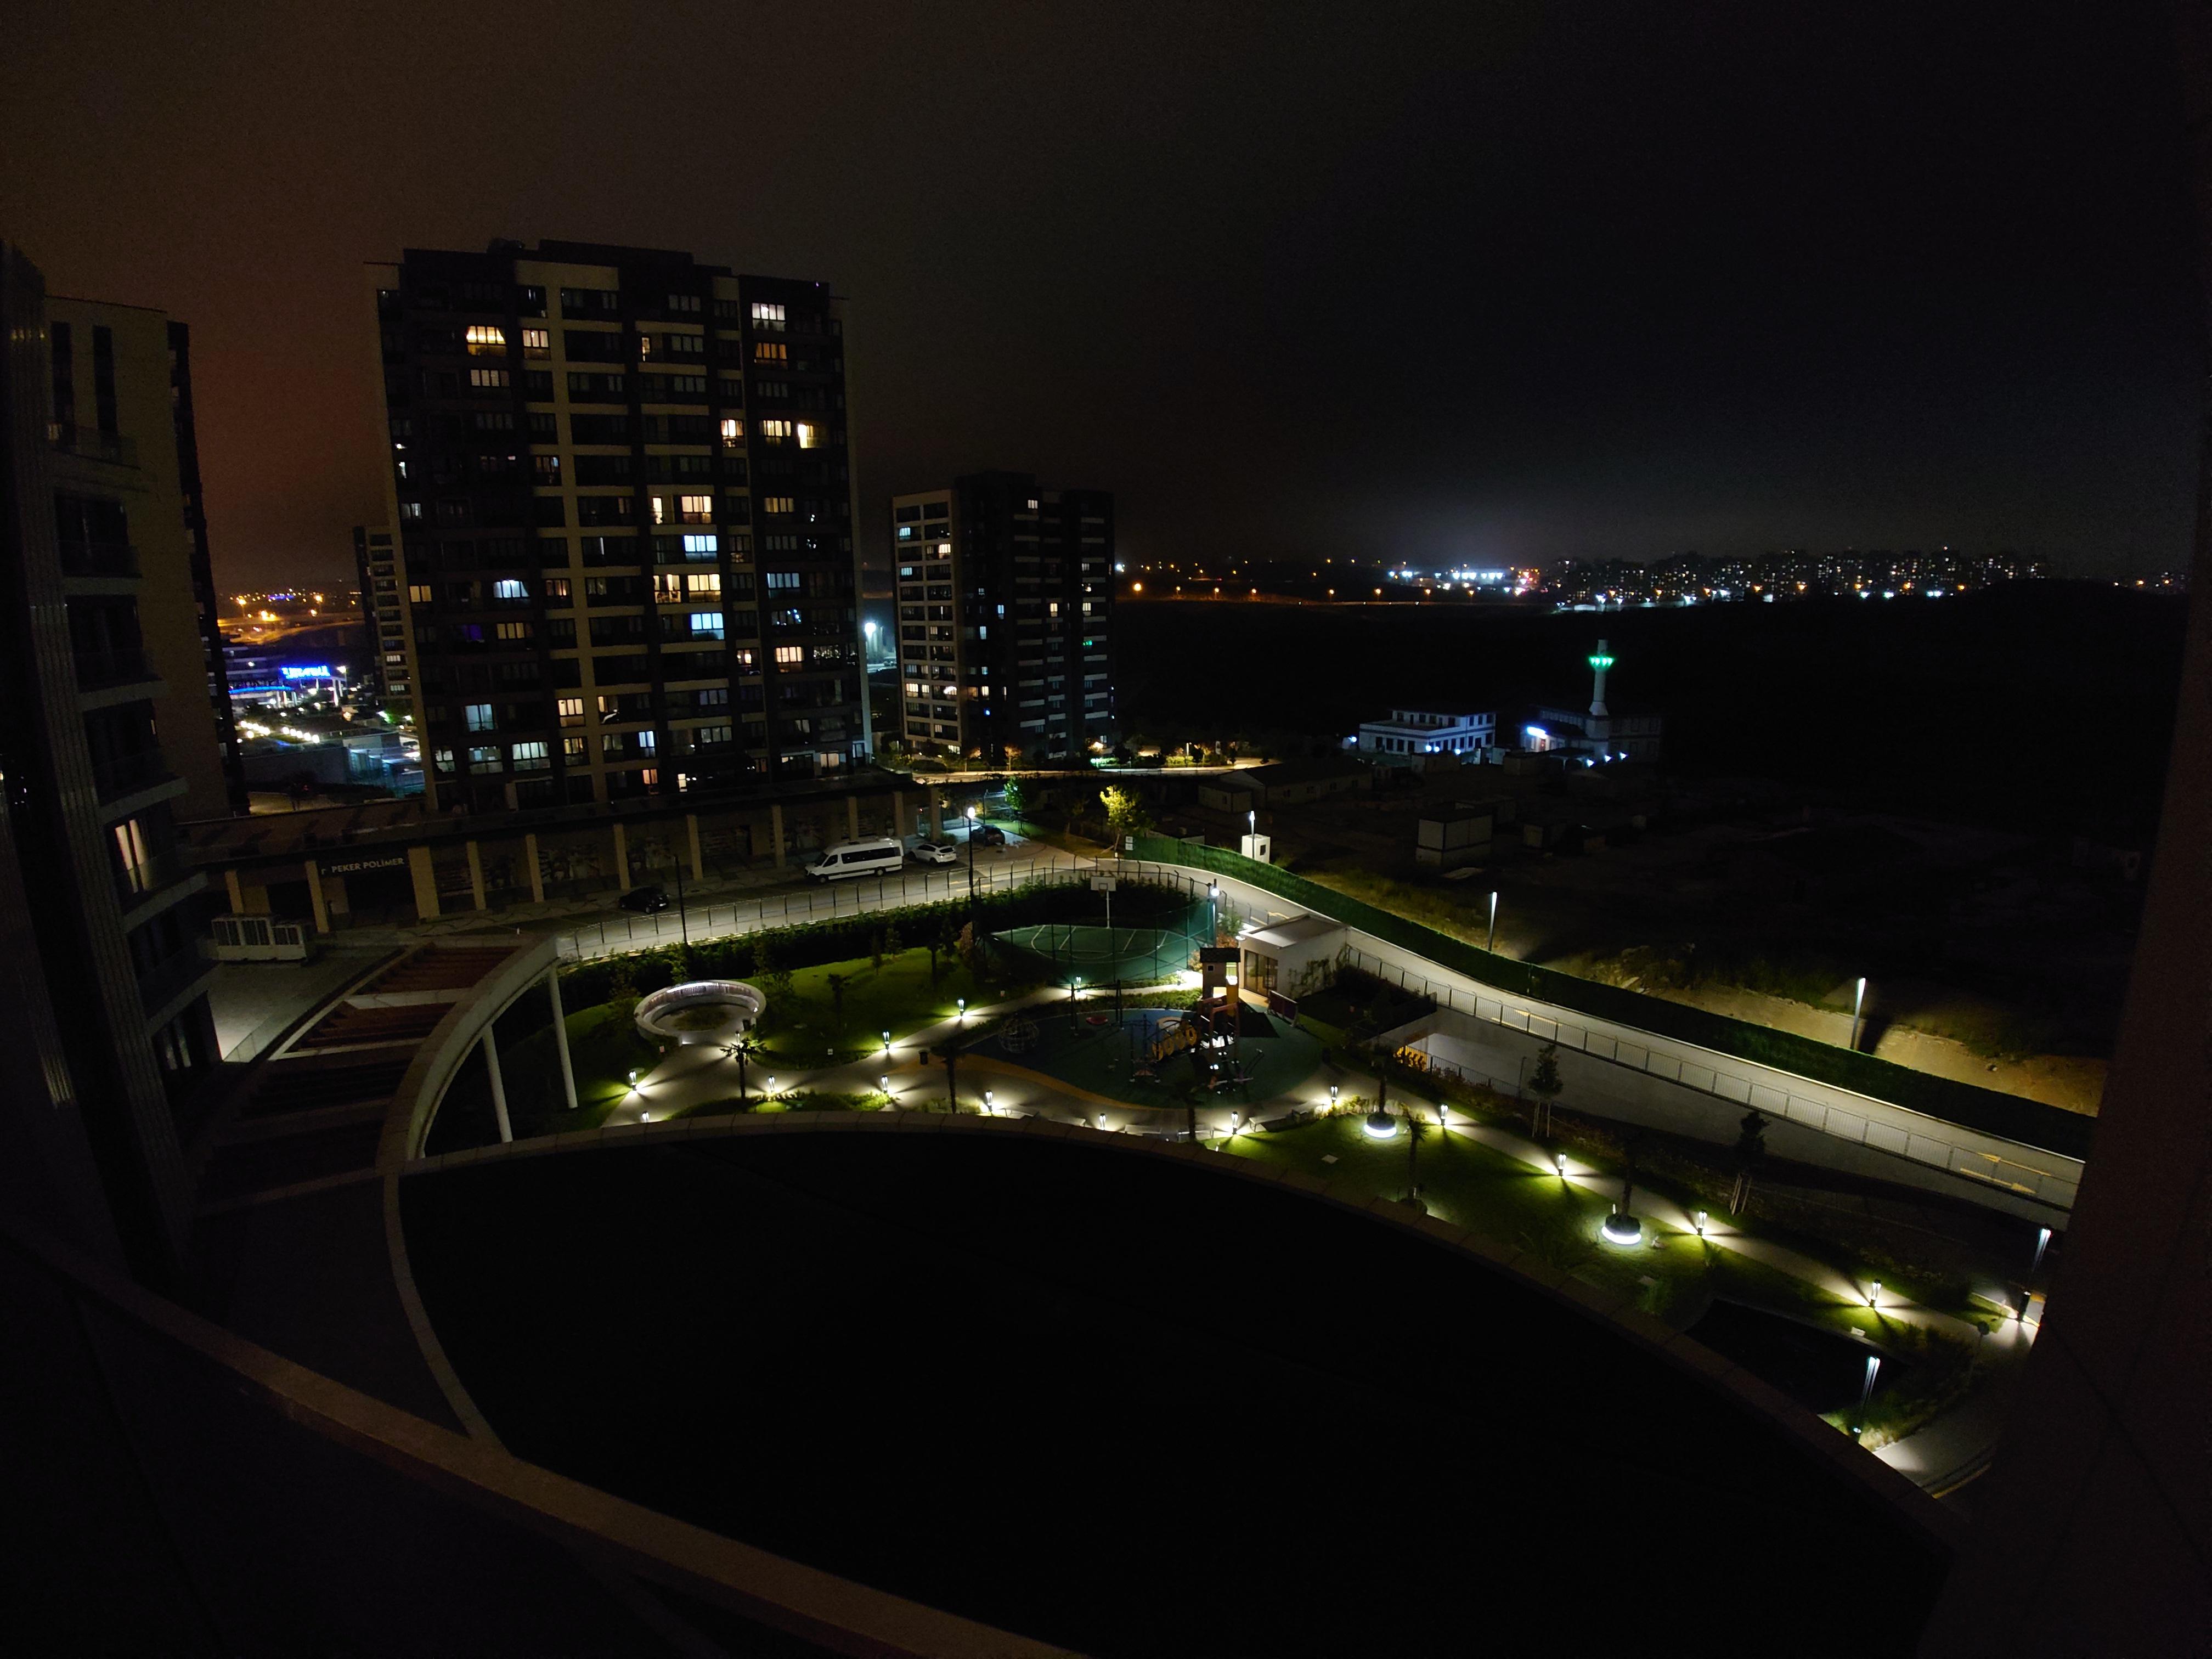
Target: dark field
(1129,1406)
(2036,705)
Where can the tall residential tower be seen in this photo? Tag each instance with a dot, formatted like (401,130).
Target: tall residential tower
(107,732)
(1006,600)
(622,489)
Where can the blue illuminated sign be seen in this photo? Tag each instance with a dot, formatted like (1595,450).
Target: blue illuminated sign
(318,670)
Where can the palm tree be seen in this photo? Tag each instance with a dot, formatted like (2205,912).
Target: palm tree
(745,1048)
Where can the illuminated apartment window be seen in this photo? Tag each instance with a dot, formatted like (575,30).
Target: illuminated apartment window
(537,343)
(778,504)
(556,587)
(809,435)
(733,430)
(443,760)
(571,710)
(531,757)
(698,545)
(418,592)
(130,849)
(508,588)
(490,377)
(790,655)
(766,315)
(513,630)
(646,742)
(775,431)
(770,351)
(667,585)
(485,340)
(706,624)
(697,509)
(743,656)
(572,748)
(479,716)
(704,584)
(486,760)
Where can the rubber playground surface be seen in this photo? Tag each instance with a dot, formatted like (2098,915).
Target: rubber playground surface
(1269,1057)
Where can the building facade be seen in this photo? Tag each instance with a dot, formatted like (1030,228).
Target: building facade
(107,737)
(1412,735)
(376,564)
(1006,602)
(621,485)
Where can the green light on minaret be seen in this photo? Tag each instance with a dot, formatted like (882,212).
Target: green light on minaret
(1600,662)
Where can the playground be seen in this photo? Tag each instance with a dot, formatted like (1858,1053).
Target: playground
(1237,1055)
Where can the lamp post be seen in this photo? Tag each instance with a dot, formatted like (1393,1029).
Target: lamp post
(1074,984)
(1858,1002)
(971,858)
(1493,946)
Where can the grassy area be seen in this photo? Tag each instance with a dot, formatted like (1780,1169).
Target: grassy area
(803,1025)
(604,1049)
(1470,1184)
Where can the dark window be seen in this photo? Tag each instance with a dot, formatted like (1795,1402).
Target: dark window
(65,360)
(103,376)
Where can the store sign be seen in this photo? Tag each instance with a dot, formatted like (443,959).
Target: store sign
(319,671)
(354,867)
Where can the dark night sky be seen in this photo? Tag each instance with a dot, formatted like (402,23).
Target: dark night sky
(1461,279)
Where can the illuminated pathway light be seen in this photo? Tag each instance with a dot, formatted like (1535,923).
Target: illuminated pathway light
(1620,1228)
(1380,1125)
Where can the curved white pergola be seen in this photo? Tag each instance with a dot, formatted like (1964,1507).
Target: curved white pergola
(742,1005)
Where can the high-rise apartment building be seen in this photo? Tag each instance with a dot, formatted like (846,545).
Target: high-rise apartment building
(622,489)
(106,732)
(376,560)
(1006,601)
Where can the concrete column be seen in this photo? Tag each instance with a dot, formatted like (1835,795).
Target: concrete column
(315,899)
(498,1083)
(852,817)
(691,829)
(561,1038)
(621,856)
(237,893)
(536,875)
(476,877)
(935,813)
(775,830)
(898,813)
(424,874)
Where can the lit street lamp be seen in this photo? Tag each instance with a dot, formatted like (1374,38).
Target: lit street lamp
(1858,1002)
(1493,946)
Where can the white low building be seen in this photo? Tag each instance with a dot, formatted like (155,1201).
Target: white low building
(1410,736)
(1292,959)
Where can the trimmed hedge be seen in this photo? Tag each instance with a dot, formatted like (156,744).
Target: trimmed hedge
(2031,1122)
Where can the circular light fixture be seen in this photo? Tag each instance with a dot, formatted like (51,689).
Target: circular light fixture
(1380,1126)
(1620,1229)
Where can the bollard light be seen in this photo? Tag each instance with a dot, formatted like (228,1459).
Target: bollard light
(1701,1224)
(963,1001)
(1332,1094)
(883,1083)
(1873,1295)
(887,1042)
(1559,1161)
(987,1098)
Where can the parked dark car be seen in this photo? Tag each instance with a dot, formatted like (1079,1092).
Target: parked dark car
(989,835)
(645,900)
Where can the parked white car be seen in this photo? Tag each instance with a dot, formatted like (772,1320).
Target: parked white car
(936,852)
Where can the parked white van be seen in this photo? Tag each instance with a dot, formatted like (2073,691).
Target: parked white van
(877,855)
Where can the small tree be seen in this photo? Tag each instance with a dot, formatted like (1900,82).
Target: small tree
(876,950)
(1750,1153)
(1125,813)
(892,943)
(1544,1084)
(1018,799)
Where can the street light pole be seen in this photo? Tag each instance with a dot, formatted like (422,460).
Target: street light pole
(1492,947)
(971,858)
(1859,1002)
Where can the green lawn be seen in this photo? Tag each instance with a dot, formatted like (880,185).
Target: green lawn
(604,1047)
(1473,1185)
(802,1027)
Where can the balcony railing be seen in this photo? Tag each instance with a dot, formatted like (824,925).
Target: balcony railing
(98,446)
(99,559)
(167,978)
(125,774)
(97,671)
